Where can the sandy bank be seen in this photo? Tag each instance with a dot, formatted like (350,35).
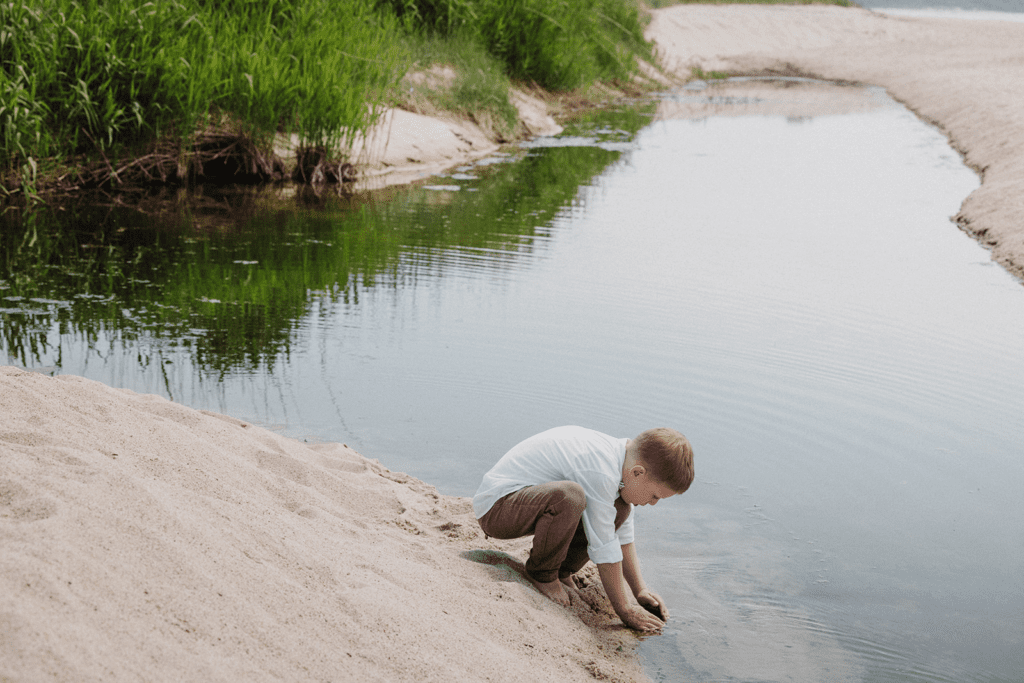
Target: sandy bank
(405,146)
(142,540)
(966,77)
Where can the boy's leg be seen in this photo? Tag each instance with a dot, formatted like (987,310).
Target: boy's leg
(577,555)
(551,512)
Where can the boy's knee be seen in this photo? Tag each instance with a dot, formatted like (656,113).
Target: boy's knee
(575,498)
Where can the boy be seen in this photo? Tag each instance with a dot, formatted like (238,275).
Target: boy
(574,490)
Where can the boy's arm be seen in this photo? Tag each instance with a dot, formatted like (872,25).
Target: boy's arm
(632,614)
(631,572)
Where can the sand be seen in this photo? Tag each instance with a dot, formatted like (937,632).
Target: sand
(407,146)
(141,540)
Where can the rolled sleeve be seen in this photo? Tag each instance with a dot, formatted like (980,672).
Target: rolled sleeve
(603,543)
(625,532)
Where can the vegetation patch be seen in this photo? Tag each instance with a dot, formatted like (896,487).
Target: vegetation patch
(455,74)
(700,74)
(102,81)
(116,92)
(658,4)
(557,44)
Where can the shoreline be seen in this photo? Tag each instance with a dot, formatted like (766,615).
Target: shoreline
(406,146)
(147,540)
(962,76)
(956,74)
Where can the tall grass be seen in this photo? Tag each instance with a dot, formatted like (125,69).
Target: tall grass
(102,80)
(105,76)
(479,88)
(558,44)
(658,4)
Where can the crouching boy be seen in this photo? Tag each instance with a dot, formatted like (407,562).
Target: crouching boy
(574,489)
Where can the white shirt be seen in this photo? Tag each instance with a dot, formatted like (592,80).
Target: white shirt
(591,459)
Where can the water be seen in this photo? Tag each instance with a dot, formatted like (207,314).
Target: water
(965,7)
(771,269)
(984,10)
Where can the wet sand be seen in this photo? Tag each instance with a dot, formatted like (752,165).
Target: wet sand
(964,76)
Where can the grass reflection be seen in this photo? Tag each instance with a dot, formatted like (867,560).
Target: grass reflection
(229,274)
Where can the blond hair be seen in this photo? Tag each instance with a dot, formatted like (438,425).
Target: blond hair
(668,455)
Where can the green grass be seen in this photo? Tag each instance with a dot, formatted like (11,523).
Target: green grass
(478,87)
(557,44)
(702,75)
(658,4)
(104,81)
(106,77)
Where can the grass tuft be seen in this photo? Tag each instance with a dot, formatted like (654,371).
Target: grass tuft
(456,74)
(658,4)
(558,44)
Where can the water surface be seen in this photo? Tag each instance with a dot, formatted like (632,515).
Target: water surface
(966,7)
(779,281)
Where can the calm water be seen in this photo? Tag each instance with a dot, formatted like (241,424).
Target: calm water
(788,290)
(967,6)
(985,10)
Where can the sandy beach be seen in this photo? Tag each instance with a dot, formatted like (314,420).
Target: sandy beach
(144,540)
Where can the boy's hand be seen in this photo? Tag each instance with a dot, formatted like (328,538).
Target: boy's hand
(653,603)
(640,619)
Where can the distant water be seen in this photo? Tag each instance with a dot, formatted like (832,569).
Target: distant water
(973,5)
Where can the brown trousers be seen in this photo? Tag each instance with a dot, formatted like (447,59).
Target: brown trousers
(553,513)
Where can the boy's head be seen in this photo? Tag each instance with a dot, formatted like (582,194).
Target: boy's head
(668,456)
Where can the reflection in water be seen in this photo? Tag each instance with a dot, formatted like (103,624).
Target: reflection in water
(227,275)
(790,295)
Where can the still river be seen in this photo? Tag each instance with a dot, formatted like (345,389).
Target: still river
(770,268)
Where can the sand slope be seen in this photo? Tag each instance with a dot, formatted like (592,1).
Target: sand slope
(967,77)
(142,540)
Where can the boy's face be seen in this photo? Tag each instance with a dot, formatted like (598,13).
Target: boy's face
(643,489)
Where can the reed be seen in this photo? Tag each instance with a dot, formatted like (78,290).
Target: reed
(100,89)
(558,44)
(657,4)
(104,77)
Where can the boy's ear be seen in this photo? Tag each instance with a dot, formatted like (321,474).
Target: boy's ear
(638,470)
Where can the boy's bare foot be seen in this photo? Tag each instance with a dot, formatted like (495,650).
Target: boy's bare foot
(553,590)
(573,581)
